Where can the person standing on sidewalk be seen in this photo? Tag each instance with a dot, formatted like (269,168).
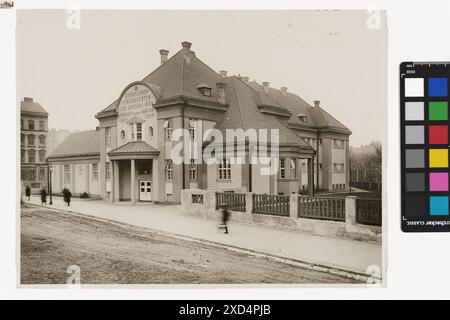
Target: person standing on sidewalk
(224,217)
(28,192)
(43,196)
(67,195)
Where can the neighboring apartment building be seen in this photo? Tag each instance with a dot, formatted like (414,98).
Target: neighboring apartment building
(128,157)
(33,144)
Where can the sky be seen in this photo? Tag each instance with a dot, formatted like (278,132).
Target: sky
(331,56)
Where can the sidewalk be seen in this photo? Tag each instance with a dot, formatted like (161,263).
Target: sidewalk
(350,255)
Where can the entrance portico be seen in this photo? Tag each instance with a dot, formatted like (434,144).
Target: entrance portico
(134,172)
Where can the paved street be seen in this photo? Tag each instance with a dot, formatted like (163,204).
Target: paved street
(112,254)
(338,253)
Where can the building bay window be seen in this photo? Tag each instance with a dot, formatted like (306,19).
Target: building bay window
(168,129)
(282,168)
(67,173)
(31,156)
(224,170)
(108,137)
(42,174)
(41,155)
(192,170)
(31,139)
(338,167)
(95,172)
(168,169)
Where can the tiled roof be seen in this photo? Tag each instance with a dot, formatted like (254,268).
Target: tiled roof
(134,147)
(243,113)
(33,107)
(316,116)
(181,75)
(85,143)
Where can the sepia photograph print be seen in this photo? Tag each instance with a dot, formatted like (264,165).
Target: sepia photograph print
(201,147)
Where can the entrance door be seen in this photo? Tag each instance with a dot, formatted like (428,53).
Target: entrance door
(145,190)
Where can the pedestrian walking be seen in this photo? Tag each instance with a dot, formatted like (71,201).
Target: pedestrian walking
(67,195)
(28,192)
(43,196)
(224,217)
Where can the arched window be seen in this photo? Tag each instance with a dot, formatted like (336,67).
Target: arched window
(31,124)
(122,134)
(150,132)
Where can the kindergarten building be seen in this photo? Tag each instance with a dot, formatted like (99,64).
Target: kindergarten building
(128,157)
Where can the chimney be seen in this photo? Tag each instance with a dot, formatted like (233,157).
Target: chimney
(316,103)
(221,86)
(164,54)
(284,91)
(27,99)
(266,87)
(186,45)
(245,79)
(223,73)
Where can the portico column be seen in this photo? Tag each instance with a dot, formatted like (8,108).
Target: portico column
(132,180)
(113,181)
(311,176)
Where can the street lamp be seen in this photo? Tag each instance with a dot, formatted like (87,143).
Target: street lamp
(49,181)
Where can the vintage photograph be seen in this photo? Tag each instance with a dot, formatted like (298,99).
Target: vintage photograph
(201,147)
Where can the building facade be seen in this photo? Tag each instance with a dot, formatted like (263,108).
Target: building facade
(33,144)
(133,159)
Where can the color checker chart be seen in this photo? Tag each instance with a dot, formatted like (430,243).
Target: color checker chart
(424,112)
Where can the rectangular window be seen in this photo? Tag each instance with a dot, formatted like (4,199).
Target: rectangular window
(108,137)
(67,173)
(293,169)
(138,131)
(32,174)
(108,171)
(41,125)
(168,169)
(95,171)
(338,144)
(41,155)
(31,156)
(31,124)
(192,171)
(338,167)
(31,139)
(22,139)
(192,127)
(224,169)
(42,140)
(168,129)
(22,155)
(42,174)
(282,168)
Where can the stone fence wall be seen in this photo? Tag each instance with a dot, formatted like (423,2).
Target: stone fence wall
(202,203)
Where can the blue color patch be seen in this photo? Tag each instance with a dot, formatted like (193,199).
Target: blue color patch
(437,87)
(439,205)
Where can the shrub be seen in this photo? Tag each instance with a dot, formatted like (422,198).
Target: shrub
(84,195)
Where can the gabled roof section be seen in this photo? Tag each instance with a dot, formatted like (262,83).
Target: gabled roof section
(180,76)
(316,117)
(243,114)
(78,144)
(29,106)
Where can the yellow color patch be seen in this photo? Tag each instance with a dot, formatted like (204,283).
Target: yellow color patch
(438,158)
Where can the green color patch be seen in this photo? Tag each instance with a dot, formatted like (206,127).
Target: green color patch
(438,110)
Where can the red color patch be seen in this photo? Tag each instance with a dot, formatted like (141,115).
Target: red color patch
(438,134)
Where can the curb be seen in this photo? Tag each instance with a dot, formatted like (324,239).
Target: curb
(359,276)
